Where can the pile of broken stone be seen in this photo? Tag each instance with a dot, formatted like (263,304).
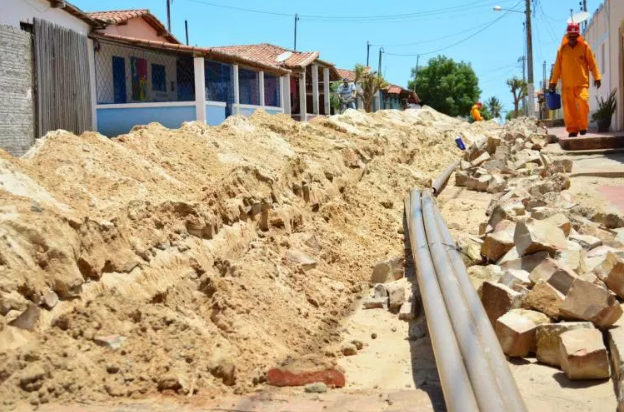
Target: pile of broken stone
(550,273)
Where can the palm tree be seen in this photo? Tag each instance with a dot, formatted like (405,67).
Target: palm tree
(519,90)
(369,83)
(495,106)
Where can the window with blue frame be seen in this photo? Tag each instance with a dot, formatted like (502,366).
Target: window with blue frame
(219,86)
(271,90)
(249,87)
(159,78)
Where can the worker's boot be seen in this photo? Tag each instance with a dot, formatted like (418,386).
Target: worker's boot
(583,132)
(573,134)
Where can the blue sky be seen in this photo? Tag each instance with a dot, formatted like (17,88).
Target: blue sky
(493,51)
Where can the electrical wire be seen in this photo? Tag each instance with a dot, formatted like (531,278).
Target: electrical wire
(432,40)
(358,19)
(490,24)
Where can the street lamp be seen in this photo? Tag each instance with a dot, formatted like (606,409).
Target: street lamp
(529,40)
(499,8)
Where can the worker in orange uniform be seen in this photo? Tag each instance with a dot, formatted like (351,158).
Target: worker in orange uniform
(575,60)
(475,112)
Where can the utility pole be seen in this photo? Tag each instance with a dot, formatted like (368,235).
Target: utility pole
(531,89)
(367,53)
(381,51)
(186,30)
(169,15)
(296,20)
(524,100)
(416,71)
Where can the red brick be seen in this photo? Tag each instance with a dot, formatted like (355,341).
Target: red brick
(283,377)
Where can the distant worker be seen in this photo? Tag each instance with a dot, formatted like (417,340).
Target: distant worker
(346,95)
(475,112)
(575,60)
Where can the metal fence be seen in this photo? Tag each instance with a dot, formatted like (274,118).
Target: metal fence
(129,74)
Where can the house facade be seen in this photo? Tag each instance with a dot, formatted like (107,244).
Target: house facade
(605,35)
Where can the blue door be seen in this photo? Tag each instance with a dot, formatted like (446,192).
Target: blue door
(119,79)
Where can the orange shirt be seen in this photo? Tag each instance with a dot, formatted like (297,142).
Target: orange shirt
(476,114)
(574,64)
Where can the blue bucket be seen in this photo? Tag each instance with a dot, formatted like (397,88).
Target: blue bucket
(553,101)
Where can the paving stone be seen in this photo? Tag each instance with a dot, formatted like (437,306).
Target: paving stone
(547,338)
(561,221)
(587,242)
(499,299)
(587,301)
(515,331)
(513,277)
(584,355)
(545,298)
(496,245)
(534,236)
(611,272)
(527,262)
(555,273)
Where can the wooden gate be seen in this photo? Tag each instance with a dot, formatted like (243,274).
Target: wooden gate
(62,79)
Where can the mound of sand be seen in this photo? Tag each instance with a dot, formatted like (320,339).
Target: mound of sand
(192,260)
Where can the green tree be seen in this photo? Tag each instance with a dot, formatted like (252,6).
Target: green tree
(494,106)
(519,90)
(369,83)
(447,86)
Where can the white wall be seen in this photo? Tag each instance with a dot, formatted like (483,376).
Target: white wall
(136,27)
(104,72)
(603,35)
(14,12)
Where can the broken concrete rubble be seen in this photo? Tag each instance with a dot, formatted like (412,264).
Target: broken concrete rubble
(388,270)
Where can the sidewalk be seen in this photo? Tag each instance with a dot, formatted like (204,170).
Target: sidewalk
(591,141)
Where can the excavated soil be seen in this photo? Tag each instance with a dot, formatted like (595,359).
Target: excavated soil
(205,254)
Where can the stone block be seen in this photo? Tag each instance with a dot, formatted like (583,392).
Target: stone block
(583,354)
(547,337)
(499,299)
(615,343)
(407,311)
(611,272)
(513,277)
(483,157)
(479,274)
(515,331)
(388,270)
(396,295)
(590,302)
(461,178)
(496,245)
(561,221)
(545,298)
(573,259)
(470,250)
(534,236)
(527,262)
(587,242)
(555,273)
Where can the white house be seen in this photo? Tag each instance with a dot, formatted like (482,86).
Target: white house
(605,35)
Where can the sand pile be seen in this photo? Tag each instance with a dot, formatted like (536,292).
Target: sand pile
(192,260)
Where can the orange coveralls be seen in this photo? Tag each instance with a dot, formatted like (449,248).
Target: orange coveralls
(572,67)
(476,114)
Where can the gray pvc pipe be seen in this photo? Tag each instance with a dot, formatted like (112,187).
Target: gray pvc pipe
(484,382)
(440,181)
(457,388)
(505,381)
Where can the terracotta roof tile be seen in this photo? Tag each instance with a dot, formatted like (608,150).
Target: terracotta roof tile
(394,89)
(268,53)
(118,16)
(349,74)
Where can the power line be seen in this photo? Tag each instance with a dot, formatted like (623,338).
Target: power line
(432,40)
(353,19)
(490,24)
